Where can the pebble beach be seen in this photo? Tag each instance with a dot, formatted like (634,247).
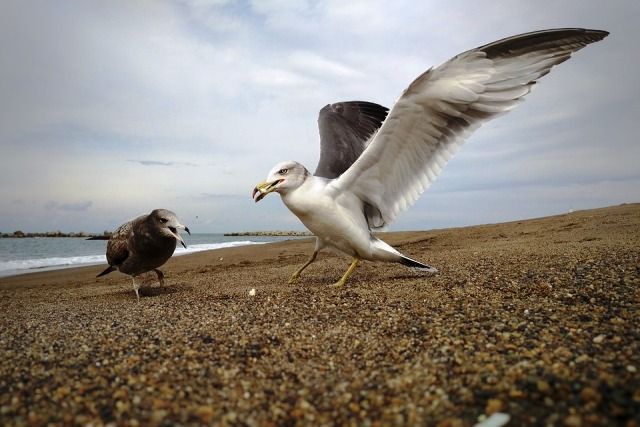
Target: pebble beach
(538,319)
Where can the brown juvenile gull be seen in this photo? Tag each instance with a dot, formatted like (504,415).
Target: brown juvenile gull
(144,244)
(395,163)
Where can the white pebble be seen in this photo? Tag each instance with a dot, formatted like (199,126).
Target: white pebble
(497,419)
(252,292)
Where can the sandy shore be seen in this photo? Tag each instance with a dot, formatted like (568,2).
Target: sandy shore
(537,319)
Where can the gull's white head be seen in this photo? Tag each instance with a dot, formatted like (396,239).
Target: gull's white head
(284,177)
(168,224)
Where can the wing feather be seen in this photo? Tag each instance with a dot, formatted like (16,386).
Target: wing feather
(345,128)
(443,106)
(118,245)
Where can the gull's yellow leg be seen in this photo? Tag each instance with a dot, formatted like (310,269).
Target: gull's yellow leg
(294,278)
(340,283)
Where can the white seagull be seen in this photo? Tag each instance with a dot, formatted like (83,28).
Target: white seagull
(372,168)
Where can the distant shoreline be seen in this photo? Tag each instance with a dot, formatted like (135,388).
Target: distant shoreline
(22,235)
(269,233)
(106,235)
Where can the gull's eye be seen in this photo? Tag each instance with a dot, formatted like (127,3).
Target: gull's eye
(283,171)
(164,220)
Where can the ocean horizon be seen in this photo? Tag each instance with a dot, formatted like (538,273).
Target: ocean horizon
(31,254)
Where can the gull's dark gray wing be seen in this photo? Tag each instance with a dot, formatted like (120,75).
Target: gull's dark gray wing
(345,128)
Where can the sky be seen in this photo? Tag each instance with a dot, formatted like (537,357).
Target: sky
(111,109)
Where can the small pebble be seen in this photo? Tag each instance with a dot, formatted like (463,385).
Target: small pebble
(497,419)
(451,422)
(589,394)
(573,421)
(493,406)
(543,386)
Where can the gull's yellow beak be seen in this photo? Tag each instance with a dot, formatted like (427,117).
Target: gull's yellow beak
(264,188)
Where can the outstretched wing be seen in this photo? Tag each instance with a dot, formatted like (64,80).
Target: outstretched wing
(443,106)
(345,128)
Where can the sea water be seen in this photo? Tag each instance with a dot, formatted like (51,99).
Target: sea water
(29,254)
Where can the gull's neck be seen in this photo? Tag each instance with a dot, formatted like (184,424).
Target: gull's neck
(312,185)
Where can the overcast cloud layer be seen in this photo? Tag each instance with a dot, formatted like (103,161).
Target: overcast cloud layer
(111,109)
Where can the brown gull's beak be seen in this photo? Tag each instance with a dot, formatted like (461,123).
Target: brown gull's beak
(174,230)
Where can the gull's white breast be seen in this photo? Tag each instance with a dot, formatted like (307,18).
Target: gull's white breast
(338,220)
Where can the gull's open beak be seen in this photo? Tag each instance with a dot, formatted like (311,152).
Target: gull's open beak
(264,188)
(177,236)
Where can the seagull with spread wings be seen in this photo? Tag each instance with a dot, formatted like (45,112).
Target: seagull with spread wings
(374,165)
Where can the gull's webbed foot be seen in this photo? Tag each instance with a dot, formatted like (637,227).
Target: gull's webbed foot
(294,278)
(343,280)
(136,287)
(339,284)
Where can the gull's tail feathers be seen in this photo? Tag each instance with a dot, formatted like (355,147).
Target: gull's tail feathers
(382,251)
(107,271)
(411,263)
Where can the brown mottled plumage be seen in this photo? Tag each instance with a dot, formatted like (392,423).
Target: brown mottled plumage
(144,244)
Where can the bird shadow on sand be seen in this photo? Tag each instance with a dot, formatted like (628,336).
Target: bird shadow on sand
(148,292)
(159,290)
(413,276)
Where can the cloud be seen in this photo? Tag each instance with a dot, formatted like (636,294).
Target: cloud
(69,207)
(320,66)
(159,163)
(220,196)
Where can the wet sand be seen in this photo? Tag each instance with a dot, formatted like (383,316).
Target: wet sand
(538,319)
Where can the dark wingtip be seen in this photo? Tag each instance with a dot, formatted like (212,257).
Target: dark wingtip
(412,263)
(537,40)
(107,271)
(600,34)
